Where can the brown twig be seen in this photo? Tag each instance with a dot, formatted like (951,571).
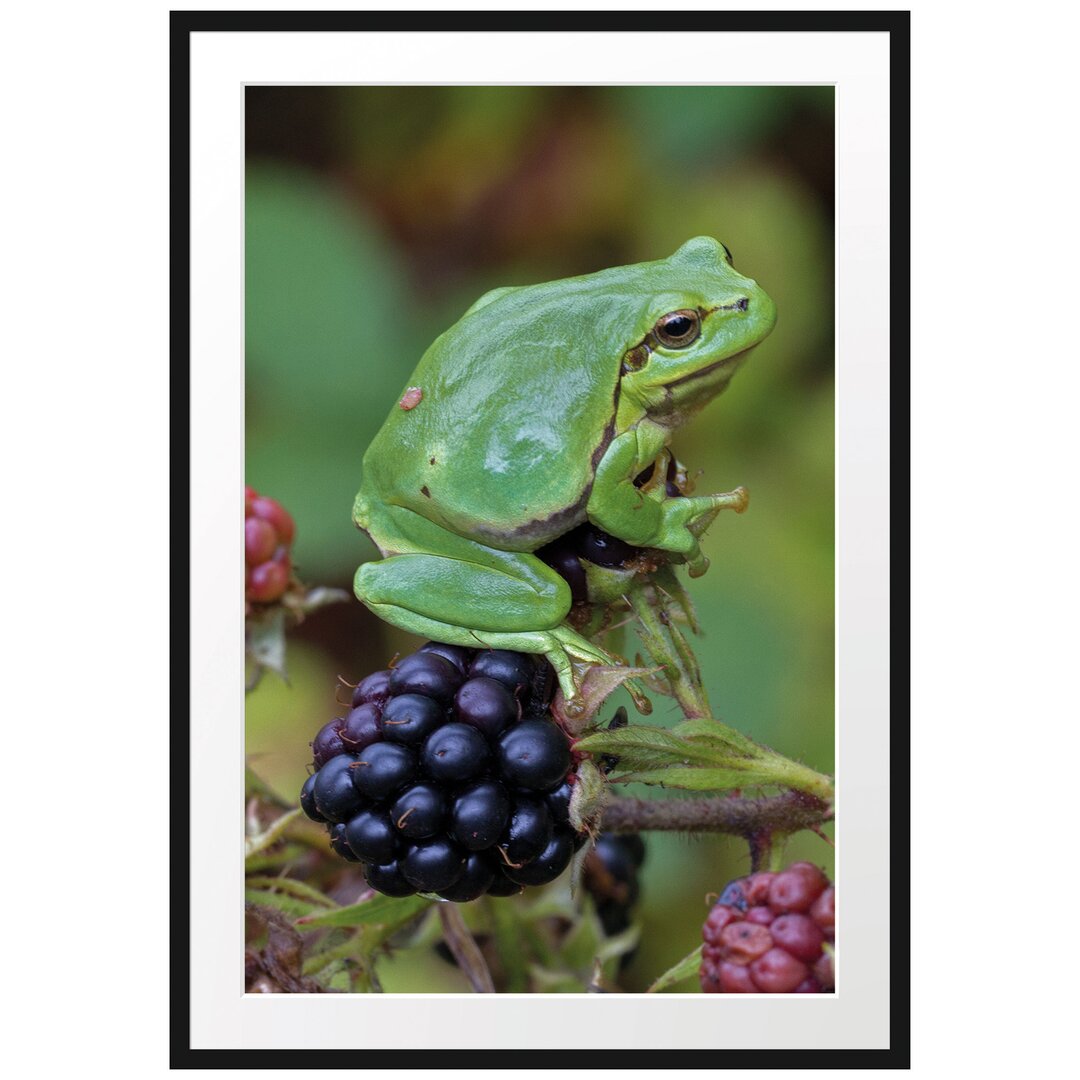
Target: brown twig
(737,816)
(466,952)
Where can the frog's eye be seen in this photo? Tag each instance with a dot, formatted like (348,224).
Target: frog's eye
(678,329)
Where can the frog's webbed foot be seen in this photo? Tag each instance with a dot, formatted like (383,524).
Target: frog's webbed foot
(693,516)
(588,674)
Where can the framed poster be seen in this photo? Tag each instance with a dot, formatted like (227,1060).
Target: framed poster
(347,187)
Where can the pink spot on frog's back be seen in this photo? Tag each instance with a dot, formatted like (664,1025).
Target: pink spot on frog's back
(411,398)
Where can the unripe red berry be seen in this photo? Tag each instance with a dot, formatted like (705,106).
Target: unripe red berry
(796,888)
(260,541)
(744,941)
(268,532)
(735,979)
(823,912)
(778,972)
(273,512)
(268,582)
(799,935)
(718,918)
(767,934)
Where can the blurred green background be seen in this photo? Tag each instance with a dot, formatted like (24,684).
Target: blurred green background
(376,215)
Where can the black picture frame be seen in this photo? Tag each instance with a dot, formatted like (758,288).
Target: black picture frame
(896,24)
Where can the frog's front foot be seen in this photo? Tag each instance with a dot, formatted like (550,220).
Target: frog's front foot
(587,675)
(698,513)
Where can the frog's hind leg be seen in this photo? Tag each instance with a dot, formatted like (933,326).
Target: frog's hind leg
(471,595)
(561,646)
(465,603)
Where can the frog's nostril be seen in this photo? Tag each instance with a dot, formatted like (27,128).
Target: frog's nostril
(736,305)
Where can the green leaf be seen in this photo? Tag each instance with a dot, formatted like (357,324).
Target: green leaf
(381,910)
(510,944)
(555,982)
(685,969)
(281,901)
(291,887)
(619,944)
(701,755)
(580,947)
(642,746)
(255,844)
(706,732)
(695,779)
(266,639)
(277,859)
(587,797)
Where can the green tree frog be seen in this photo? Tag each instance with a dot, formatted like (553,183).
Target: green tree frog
(533,413)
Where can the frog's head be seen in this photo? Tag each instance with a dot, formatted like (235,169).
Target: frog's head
(696,320)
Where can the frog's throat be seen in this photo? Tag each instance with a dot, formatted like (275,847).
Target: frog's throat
(671,405)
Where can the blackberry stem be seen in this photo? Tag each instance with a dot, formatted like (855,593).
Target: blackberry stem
(786,813)
(666,646)
(466,952)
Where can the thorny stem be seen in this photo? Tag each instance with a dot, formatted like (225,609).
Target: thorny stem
(654,608)
(744,817)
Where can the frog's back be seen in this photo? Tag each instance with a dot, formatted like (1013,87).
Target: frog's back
(516,406)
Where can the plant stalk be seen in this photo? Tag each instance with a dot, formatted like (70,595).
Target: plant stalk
(790,812)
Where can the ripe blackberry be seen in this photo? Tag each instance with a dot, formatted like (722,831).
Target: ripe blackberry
(771,933)
(528,832)
(534,755)
(360,728)
(476,879)
(339,842)
(448,776)
(307,799)
(458,656)
(562,556)
(603,549)
(487,705)
(268,535)
(383,769)
(411,718)
(370,836)
(328,743)
(375,687)
(548,865)
(419,812)
(387,878)
(455,753)
(587,544)
(433,864)
(426,673)
(611,878)
(333,792)
(479,815)
(513,670)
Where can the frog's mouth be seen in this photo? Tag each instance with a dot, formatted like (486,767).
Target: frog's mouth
(675,402)
(704,372)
